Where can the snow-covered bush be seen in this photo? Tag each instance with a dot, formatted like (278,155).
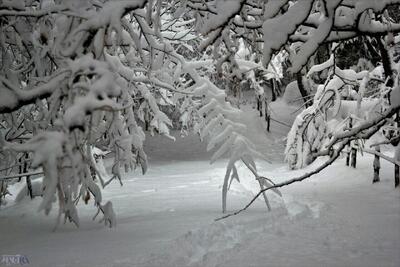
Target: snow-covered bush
(331,112)
(350,98)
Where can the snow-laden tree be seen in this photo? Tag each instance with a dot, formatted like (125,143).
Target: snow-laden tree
(85,78)
(351,104)
(77,76)
(346,99)
(300,28)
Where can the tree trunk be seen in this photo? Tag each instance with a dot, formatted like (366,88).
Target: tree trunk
(396,140)
(353,157)
(349,147)
(386,62)
(266,115)
(20,167)
(396,167)
(29,185)
(353,150)
(28,178)
(302,89)
(273,89)
(260,105)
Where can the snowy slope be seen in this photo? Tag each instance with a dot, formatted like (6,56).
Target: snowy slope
(166,218)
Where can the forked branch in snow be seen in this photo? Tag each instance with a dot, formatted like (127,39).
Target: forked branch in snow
(334,155)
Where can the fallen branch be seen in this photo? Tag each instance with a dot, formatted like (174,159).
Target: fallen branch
(332,158)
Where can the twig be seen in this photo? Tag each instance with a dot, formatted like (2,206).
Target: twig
(387,142)
(8,177)
(287,125)
(373,152)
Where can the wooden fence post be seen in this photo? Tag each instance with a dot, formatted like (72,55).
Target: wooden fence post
(349,148)
(395,160)
(377,165)
(352,155)
(267,116)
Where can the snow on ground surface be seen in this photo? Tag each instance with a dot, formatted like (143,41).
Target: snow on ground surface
(166,218)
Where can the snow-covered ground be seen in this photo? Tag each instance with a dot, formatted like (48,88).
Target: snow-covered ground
(166,218)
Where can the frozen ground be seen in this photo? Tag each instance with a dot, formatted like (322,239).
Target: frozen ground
(166,218)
